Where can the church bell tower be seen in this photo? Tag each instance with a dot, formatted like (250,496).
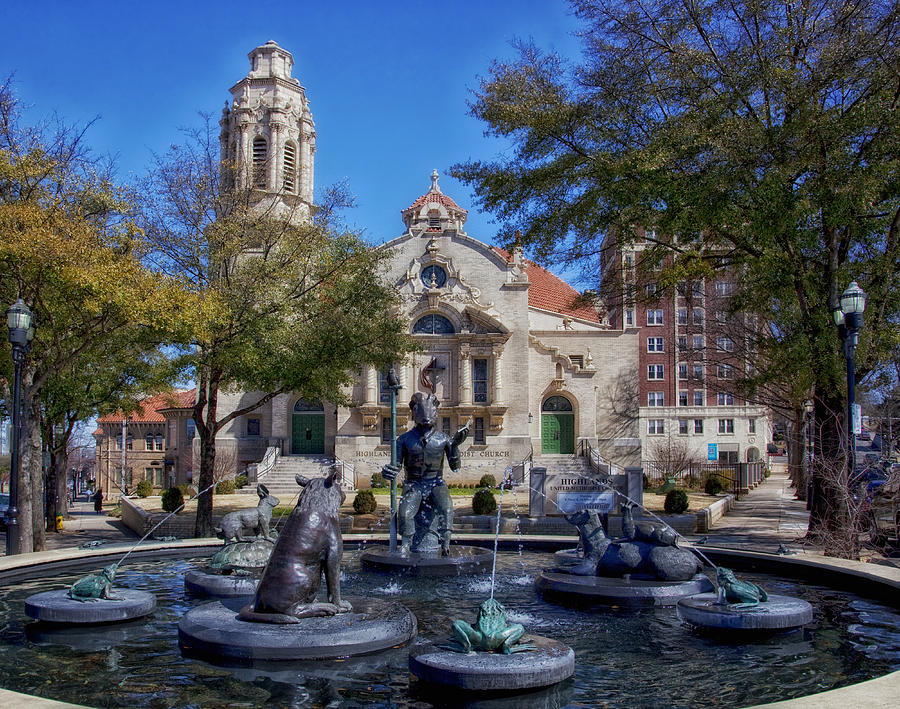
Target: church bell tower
(268,138)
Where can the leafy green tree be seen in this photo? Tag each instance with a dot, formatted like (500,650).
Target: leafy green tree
(68,249)
(296,304)
(760,137)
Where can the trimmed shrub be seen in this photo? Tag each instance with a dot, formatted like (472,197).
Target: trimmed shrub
(144,488)
(225,487)
(187,491)
(714,485)
(172,499)
(241,480)
(364,503)
(483,502)
(676,502)
(379,481)
(487,480)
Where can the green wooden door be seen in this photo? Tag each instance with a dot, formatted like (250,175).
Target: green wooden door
(557,433)
(308,433)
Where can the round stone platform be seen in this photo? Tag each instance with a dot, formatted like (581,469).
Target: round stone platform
(778,613)
(550,663)
(204,583)
(57,607)
(462,559)
(618,591)
(373,624)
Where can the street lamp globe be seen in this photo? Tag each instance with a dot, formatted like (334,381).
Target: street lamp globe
(18,320)
(853,300)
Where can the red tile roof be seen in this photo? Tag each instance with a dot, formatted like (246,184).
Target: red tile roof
(550,292)
(435,197)
(151,406)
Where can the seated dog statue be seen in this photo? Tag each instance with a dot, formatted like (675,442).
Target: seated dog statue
(309,546)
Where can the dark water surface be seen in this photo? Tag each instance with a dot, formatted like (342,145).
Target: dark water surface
(624,658)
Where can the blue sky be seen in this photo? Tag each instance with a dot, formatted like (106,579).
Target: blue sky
(387,81)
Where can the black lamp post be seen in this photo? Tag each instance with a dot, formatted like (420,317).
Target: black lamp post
(850,315)
(393,384)
(810,412)
(18,319)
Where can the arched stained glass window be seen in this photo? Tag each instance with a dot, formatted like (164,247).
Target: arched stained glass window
(304,405)
(557,403)
(434,276)
(433,324)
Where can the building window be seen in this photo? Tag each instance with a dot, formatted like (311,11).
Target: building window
(654,317)
(723,288)
(698,316)
(433,324)
(697,289)
(698,342)
(157,477)
(725,371)
(652,290)
(721,315)
(190,429)
(682,316)
(480,380)
(655,371)
(434,219)
(751,426)
(149,474)
(656,398)
(725,344)
(683,426)
(725,398)
(478,431)
(628,260)
(698,425)
(698,372)
(129,443)
(445,425)
(160,442)
(629,317)
(149,442)
(386,429)
(253,427)
(682,371)
(654,344)
(682,342)
(433,276)
(682,398)
(656,427)
(260,157)
(698,398)
(290,168)
(726,425)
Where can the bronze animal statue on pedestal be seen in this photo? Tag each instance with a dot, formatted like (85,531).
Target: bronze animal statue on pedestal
(253,521)
(309,546)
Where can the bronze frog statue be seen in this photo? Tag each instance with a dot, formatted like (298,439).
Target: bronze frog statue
(93,587)
(492,632)
(739,592)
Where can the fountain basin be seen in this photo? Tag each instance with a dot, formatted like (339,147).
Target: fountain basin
(550,662)
(204,583)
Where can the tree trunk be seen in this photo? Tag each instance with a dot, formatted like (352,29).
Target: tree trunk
(829,470)
(205,417)
(33,479)
(797,454)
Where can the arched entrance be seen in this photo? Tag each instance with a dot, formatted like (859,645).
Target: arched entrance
(308,428)
(752,455)
(557,426)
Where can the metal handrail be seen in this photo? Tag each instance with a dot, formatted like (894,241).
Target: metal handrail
(348,474)
(268,462)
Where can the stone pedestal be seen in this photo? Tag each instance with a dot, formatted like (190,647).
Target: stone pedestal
(777,613)
(57,607)
(214,629)
(549,663)
(462,559)
(617,591)
(204,583)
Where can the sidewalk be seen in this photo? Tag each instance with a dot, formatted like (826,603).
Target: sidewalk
(763,519)
(86,525)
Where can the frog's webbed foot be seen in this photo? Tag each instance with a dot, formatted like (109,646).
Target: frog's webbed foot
(465,635)
(521,648)
(511,635)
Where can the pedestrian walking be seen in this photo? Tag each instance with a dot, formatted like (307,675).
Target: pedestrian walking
(98,501)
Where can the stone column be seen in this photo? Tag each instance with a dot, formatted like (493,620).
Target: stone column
(370,377)
(497,399)
(245,159)
(274,156)
(465,378)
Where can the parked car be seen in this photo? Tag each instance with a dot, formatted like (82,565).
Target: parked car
(4,508)
(884,510)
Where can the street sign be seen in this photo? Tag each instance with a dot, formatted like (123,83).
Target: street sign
(712,451)
(856,426)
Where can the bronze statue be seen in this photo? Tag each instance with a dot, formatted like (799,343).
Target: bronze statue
(253,521)
(742,593)
(425,500)
(309,545)
(93,587)
(491,633)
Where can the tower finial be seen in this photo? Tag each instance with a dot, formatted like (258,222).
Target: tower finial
(434,181)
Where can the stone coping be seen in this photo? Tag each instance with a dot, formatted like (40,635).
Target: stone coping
(882,582)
